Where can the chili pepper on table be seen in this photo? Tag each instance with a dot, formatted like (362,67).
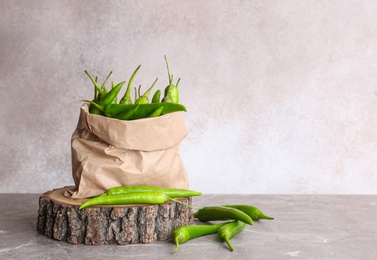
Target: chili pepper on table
(254,212)
(221,213)
(229,230)
(128,198)
(126,99)
(172,193)
(185,233)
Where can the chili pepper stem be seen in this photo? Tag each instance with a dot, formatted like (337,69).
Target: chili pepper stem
(99,89)
(95,91)
(176,85)
(176,246)
(108,76)
(169,75)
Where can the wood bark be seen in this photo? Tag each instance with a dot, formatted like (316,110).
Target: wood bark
(60,218)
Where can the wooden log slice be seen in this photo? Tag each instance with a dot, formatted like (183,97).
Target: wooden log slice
(59,218)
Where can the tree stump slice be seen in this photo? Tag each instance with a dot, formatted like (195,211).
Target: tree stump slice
(59,218)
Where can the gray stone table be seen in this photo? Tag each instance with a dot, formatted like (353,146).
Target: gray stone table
(305,227)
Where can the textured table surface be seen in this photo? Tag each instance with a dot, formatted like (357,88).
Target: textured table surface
(305,227)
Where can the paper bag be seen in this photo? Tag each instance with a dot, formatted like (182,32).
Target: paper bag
(108,152)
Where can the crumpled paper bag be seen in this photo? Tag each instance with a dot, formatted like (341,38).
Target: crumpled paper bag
(107,152)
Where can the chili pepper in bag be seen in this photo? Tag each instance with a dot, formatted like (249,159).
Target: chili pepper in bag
(221,213)
(115,100)
(144,99)
(99,92)
(128,198)
(185,233)
(253,212)
(167,99)
(108,98)
(174,92)
(229,230)
(171,94)
(157,112)
(100,89)
(172,193)
(103,87)
(113,110)
(92,109)
(111,95)
(128,114)
(156,96)
(146,109)
(126,99)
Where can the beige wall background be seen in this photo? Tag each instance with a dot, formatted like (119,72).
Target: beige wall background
(282,95)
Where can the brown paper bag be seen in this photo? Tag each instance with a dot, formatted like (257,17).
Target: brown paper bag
(107,152)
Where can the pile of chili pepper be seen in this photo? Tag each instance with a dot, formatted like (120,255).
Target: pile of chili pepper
(233,218)
(236,218)
(105,102)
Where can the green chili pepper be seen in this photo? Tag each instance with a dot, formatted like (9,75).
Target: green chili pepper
(221,213)
(128,198)
(144,99)
(253,212)
(105,100)
(171,94)
(126,99)
(172,193)
(111,95)
(157,112)
(98,92)
(229,230)
(93,109)
(146,110)
(113,110)
(128,114)
(174,92)
(185,233)
(156,96)
(167,99)
(100,89)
